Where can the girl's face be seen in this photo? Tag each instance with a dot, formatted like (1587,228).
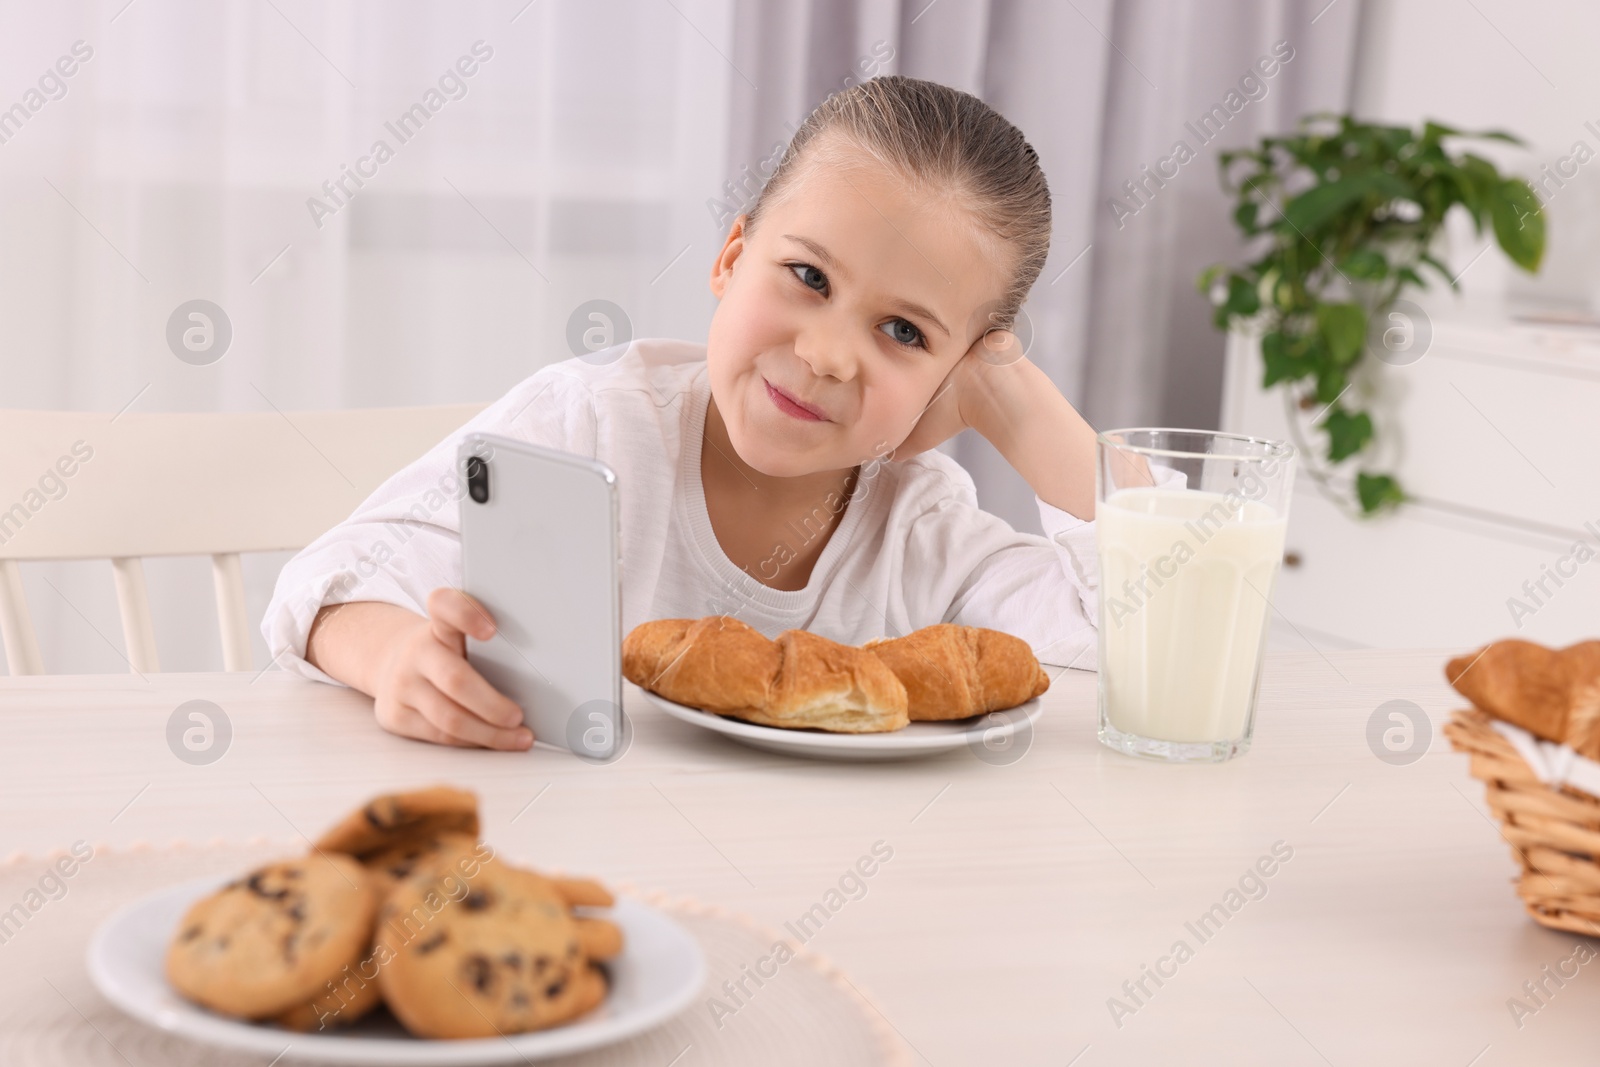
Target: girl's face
(843,313)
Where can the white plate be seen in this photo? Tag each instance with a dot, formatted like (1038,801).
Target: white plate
(990,736)
(659,972)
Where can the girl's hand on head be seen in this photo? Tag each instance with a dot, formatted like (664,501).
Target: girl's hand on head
(426,689)
(972,395)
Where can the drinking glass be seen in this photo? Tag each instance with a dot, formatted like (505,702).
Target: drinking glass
(1189,531)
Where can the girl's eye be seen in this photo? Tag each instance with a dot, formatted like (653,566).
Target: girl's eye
(900,331)
(903,332)
(809,276)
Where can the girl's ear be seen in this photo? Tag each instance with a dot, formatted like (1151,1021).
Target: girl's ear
(732,248)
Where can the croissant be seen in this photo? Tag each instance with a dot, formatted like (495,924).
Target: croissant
(1553,694)
(800,680)
(953,672)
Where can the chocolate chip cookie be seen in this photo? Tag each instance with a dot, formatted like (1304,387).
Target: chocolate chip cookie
(272,940)
(598,939)
(584,892)
(396,820)
(493,953)
(395,864)
(344,999)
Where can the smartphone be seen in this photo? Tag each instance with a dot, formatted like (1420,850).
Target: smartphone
(539,550)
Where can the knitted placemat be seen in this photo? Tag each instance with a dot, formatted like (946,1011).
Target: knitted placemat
(51,1014)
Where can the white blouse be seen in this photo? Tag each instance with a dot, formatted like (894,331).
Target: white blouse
(911,549)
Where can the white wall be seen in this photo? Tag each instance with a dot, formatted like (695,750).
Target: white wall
(1524,66)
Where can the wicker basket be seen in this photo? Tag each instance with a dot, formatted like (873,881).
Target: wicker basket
(1554,832)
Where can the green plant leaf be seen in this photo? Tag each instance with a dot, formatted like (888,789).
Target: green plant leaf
(1244,216)
(1365,263)
(1395,139)
(1242,299)
(1319,204)
(1343,328)
(1378,491)
(1203,283)
(1411,277)
(1434,132)
(1348,433)
(1282,359)
(1518,223)
(1483,179)
(1331,382)
(1277,365)
(1437,131)
(1462,190)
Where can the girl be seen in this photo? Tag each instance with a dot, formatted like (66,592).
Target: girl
(782,472)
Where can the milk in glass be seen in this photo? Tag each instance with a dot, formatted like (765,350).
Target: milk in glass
(1185,586)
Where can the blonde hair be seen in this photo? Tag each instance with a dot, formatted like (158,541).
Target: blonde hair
(938,136)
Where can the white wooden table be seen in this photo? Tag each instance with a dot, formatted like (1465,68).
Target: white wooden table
(1019,898)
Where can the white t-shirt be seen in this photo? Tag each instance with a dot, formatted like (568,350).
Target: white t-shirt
(911,549)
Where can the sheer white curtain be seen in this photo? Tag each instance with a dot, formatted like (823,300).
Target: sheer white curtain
(573,164)
(595,151)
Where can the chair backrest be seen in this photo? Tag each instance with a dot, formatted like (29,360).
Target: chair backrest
(83,485)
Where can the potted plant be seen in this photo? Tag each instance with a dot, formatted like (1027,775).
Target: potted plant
(1345,215)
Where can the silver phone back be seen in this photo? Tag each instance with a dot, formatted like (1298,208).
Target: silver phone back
(540,554)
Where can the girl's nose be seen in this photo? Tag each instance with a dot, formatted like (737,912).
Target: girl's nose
(830,353)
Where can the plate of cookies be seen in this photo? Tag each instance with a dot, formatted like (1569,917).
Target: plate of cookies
(400,938)
(937,689)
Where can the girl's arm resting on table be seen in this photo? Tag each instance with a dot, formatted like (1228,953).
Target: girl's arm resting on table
(416,670)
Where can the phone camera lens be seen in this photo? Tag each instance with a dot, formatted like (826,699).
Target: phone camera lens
(478,479)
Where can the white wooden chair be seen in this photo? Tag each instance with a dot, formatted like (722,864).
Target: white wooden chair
(83,485)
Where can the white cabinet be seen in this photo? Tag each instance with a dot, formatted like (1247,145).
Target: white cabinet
(1495,433)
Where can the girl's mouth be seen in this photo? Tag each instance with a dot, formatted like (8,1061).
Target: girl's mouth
(793,406)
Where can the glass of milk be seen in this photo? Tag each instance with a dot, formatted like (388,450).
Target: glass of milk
(1189,529)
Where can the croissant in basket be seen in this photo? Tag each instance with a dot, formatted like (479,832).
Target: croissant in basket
(1553,828)
(1553,694)
(803,681)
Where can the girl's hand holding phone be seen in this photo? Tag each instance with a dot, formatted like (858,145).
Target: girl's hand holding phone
(416,669)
